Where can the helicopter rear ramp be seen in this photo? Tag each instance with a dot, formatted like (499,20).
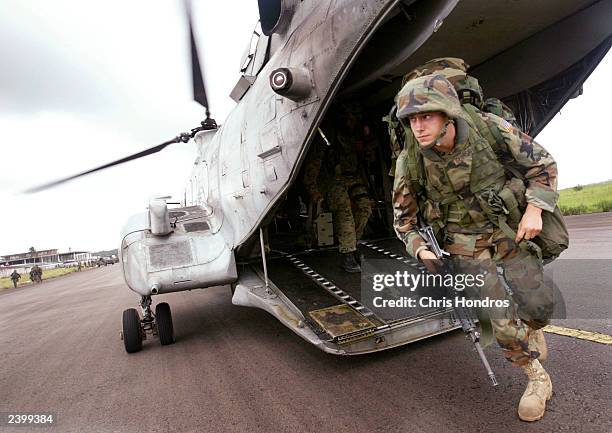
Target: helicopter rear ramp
(313,296)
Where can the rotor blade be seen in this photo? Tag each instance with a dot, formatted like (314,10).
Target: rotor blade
(199,91)
(146,152)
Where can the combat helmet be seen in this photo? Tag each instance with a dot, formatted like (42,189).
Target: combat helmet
(427,94)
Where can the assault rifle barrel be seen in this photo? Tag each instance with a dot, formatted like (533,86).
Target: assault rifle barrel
(463,314)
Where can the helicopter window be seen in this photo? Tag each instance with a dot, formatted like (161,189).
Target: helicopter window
(269,13)
(256,53)
(255,57)
(251,48)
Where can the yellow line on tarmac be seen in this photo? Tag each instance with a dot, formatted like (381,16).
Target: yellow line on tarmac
(578,333)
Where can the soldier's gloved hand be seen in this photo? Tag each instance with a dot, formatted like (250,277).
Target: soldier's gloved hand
(530,225)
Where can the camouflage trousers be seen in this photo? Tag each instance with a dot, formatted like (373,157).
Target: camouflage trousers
(515,276)
(349,223)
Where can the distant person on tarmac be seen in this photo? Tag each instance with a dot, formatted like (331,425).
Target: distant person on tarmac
(36,274)
(15,276)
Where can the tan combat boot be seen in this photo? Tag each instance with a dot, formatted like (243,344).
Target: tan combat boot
(539,390)
(538,343)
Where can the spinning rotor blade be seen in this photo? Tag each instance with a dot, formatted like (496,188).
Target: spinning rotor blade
(199,90)
(199,95)
(146,152)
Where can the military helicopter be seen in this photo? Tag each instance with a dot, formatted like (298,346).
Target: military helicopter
(308,56)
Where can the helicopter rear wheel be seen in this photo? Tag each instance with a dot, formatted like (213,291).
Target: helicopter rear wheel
(132,333)
(165,329)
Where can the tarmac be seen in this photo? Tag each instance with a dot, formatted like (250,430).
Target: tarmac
(236,369)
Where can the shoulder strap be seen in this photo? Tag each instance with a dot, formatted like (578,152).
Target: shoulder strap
(489,132)
(493,136)
(414,162)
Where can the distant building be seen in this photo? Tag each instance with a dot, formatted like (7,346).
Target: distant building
(46,257)
(23,262)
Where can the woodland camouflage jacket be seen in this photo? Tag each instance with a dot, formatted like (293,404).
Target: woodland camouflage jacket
(535,164)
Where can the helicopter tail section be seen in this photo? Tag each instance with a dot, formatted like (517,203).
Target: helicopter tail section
(192,253)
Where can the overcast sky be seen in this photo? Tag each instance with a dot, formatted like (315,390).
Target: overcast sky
(85,82)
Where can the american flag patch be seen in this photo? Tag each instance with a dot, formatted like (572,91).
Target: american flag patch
(505,125)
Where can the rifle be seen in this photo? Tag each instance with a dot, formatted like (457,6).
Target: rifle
(463,314)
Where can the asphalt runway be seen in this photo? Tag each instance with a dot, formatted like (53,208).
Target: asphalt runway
(236,369)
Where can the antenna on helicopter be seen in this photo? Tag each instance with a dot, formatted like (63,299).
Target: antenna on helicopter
(199,95)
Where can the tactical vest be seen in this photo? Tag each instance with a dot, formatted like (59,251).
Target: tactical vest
(476,175)
(498,188)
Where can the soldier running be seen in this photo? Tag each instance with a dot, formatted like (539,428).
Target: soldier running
(480,213)
(15,277)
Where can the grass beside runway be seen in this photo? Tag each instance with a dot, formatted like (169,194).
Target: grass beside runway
(581,199)
(6,283)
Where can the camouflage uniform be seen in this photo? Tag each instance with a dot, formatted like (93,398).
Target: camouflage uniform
(454,201)
(36,273)
(335,171)
(15,278)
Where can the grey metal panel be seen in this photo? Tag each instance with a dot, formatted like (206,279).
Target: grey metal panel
(196,227)
(264,143)
(478,30)
(242,86)
(546,53)
(180,261)
(398,39)
(169,255)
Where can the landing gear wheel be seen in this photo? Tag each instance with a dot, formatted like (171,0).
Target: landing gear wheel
(132,334)
(165,330)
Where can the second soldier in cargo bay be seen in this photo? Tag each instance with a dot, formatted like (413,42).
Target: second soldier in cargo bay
(334,171)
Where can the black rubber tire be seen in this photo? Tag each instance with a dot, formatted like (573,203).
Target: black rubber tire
(132,333)
(165,329)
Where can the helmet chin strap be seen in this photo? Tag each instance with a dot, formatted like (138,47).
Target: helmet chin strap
(438,141)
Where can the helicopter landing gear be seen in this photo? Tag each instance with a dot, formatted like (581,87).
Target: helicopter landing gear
(136,329)
(132,332)
(165,330)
